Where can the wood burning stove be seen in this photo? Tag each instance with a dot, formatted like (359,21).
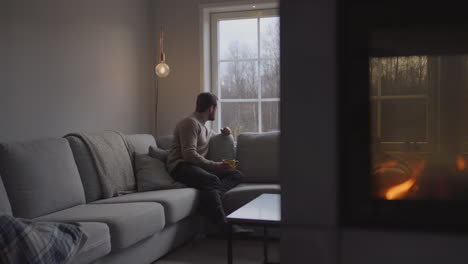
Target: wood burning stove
(403,117)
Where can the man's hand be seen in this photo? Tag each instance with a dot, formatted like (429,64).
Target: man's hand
(226,131)
(223,166)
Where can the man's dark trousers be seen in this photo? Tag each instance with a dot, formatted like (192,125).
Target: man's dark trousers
(212,186)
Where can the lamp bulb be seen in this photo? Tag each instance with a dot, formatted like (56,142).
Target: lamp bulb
(162,69)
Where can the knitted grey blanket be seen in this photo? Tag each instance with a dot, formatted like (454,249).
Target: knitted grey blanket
(112,156)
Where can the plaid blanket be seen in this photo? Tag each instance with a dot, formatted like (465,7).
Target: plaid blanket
(26,241)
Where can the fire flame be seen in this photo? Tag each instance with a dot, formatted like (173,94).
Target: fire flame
(398,190)
(461,163)
(401,189)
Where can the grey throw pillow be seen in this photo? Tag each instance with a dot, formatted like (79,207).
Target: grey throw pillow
(157,153)
(151,174)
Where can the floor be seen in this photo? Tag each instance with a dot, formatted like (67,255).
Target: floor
(213,251)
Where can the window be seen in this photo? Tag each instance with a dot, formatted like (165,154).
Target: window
(245,69)
(419,103)
(400,101)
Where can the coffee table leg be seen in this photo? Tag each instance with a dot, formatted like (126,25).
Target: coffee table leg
(229,243)
(265,244)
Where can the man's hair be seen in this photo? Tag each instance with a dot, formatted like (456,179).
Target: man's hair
(205,100)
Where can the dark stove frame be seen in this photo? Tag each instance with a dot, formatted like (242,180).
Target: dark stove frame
(357,207)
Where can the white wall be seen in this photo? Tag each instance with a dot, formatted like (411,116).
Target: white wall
(182,45)
(70,66)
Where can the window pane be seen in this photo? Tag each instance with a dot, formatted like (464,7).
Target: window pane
(269,37)
(375,67)
(240,117)
(400,75)
(270,116)
(374,115)
(404,120)
(238,80)
(465,117)
(238,39)
(269,70)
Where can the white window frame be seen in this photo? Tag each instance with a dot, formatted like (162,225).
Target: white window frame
(215,17)
(399,146)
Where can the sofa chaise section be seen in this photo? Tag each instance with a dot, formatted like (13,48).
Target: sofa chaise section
(97,245)
(128,223)
(97,242)
(5,207)
(178,206)
(178,203)
(40,177)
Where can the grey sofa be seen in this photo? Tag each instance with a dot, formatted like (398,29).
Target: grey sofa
(56,180)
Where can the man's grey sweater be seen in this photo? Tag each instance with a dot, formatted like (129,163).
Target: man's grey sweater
(190,144)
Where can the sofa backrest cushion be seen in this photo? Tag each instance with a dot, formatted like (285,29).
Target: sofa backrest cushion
(221,147)
(40,177)
(258,155)
(5,207)
(141,142)
(87,169)
(165,142)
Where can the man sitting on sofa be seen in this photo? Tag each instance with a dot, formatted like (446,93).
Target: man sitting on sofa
(187,161)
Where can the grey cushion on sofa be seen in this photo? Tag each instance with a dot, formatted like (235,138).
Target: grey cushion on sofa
(221,147)
(128,223)
(244,193)
(151,174)
(41,177)
(141,142)
(158,153)
(5,207)
(164,142)
(178,203)
(87,169)
(258,155)
(97,243)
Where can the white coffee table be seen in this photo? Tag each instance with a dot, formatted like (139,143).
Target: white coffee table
(265,210)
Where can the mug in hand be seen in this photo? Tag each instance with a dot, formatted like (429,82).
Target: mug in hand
(232,162)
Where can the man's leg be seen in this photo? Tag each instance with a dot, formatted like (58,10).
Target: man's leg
(229,179)
(210,187)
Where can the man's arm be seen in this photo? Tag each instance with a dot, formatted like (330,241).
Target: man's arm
(226,131)
(188,133)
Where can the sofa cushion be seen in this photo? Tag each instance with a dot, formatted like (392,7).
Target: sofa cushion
(41,177)
(221,147)
(87,168)
(128,223)
(165,142)
(141,142)
(158,153)
(178,203)
(5,207)
(258,155)
(151,174)
(244,193)
(97,243)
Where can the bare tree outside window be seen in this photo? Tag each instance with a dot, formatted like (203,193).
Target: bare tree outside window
(248,74)
(269,50)
(399,98)
(238,78)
